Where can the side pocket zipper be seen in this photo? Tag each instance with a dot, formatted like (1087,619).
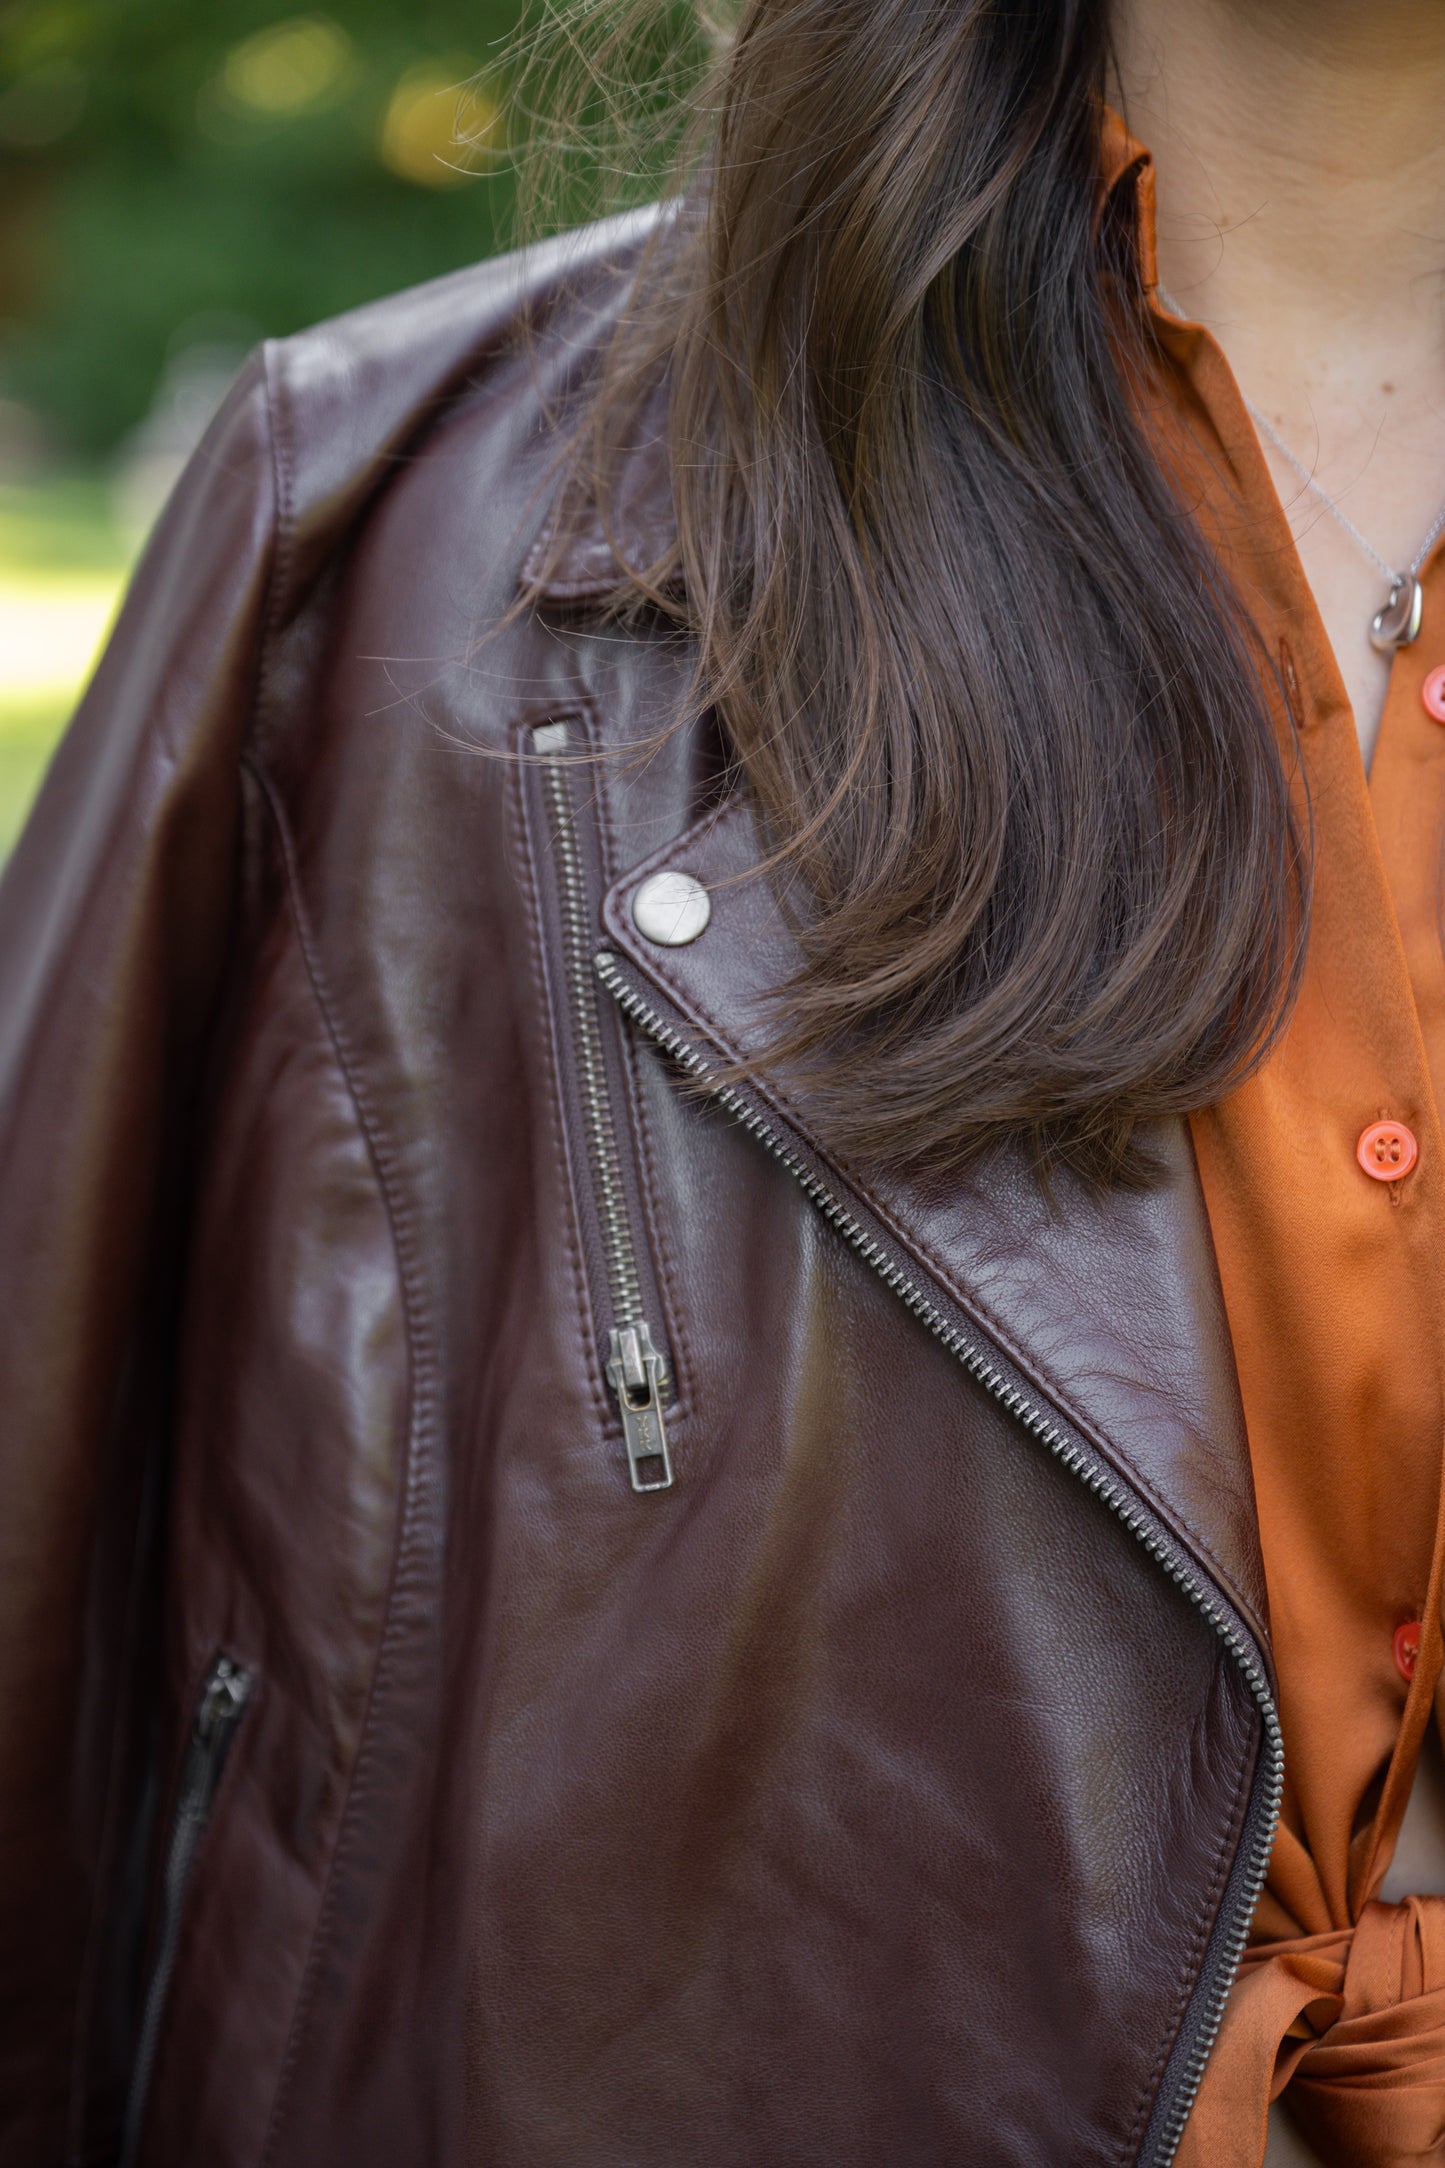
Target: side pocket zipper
(636,1365)
(225,1692)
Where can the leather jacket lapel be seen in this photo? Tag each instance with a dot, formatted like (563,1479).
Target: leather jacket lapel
(1109,1308)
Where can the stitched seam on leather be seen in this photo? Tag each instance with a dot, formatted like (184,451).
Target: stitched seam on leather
(674,1333)
(664,1266)
(967,1300)
(585,1315)
(77,2105)
(713,818)
(656,1258)
(1199,1941)
(416,1434)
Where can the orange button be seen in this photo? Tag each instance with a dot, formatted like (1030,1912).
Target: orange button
(1432,694)
(1407,1648)
(1387,1151)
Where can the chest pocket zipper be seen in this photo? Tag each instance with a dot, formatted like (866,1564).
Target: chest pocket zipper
(224,1694)
(635,1360)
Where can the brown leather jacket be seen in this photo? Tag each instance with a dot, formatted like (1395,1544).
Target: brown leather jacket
(395,1765)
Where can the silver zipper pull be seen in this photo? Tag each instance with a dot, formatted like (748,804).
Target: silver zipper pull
(637,1374)
(225,1693)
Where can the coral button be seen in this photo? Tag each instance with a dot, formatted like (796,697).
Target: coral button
(1407,1648)
(1387,1151)
(1432,694)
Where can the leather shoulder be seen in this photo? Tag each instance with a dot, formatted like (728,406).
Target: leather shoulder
(354,396)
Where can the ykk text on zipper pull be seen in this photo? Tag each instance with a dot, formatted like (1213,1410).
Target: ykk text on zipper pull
(636,1371)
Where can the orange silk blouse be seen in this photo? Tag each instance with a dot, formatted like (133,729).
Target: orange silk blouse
(1334,1285)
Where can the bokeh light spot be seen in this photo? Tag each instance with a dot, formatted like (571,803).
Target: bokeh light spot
(289,68)
(440,129)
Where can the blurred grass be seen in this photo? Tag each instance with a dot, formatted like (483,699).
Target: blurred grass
(62,570)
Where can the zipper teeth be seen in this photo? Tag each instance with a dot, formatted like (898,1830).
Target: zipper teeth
(204,1752)
(185,1831)
(1097,1478)
(623,1281)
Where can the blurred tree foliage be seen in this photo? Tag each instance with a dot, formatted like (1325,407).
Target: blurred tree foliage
(224,168)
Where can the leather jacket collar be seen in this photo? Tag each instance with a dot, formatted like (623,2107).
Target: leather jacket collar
(1015,1274)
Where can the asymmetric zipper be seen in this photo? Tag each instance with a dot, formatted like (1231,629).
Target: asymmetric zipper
(224,1693)
(636,1366)
(1097,1476)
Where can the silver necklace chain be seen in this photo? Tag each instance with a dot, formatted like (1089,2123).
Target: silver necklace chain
(1391,572)
(1398,623)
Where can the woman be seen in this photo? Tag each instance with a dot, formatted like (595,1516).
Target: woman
(723,1230)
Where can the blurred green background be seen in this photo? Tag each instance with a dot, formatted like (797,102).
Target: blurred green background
(177,179)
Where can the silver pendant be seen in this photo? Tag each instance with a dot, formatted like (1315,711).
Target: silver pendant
(1399,622)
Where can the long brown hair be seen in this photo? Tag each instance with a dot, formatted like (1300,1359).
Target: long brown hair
(1002,717)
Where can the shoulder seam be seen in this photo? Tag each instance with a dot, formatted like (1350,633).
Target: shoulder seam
(418,1422)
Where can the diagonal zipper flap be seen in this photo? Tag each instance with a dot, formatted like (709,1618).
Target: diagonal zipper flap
(1109,1308)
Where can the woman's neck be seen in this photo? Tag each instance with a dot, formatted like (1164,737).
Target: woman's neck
(1300,152)
(1301,188)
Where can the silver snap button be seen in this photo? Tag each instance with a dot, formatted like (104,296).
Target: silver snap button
(671,909)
